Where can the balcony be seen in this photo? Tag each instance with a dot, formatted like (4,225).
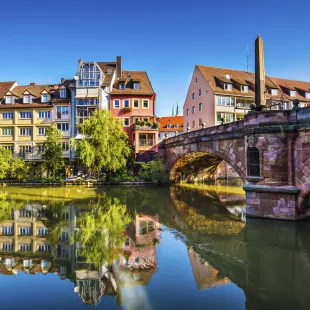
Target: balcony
(148,142)
(244,105)
(143,127)
(30,156)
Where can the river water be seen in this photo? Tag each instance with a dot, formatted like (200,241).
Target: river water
(179,247)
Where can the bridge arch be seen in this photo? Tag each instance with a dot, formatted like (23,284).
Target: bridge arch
(202,166)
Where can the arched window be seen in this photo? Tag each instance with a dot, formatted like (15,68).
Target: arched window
(253,162)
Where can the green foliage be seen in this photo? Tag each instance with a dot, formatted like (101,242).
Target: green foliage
(105,144)
(5,157)
(154,171)
(18,169)
(6,207)
(101,231)
(155,125)
(52,155)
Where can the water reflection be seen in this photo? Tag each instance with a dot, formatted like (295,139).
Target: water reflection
(179,247)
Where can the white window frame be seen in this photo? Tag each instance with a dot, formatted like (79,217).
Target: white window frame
(244,88)
(148,103)
(124,103)
(125,118)
(168,126)
(65,146)
(175,126)
(41,131)
(227,86)
(10,129)
(7,101)
(62,93)
(121,85)
(119,104)
(63,125)
(62,108)
(27,113)
(26,98)
(43,97)
(133,104)
(25,131)
(45,113)
(307,95)
(274,92)
(6,114)
(136,84)
(293,93)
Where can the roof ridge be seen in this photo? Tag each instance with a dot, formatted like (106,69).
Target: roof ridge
(198,65)
(272,77)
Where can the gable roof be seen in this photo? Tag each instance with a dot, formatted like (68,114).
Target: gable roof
(213,74)
(108,69)
(129,77)
(171,120)
(4,87)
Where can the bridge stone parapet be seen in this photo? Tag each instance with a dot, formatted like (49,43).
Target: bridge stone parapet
(280,142)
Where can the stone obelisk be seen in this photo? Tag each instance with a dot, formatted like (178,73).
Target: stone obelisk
(259,74)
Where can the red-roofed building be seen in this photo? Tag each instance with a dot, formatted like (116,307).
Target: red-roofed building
(169,126)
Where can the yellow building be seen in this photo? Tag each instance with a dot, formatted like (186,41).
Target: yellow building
(25,113)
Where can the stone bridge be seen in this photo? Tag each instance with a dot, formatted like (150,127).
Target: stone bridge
(269,150)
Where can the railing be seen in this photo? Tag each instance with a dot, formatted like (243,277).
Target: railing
(30,156)
(143,127)
(144,142)
(243,105)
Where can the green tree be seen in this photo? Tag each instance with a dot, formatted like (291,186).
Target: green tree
(105,143)
(18,169)
(101,231)
(5,157)
(154,171)
(52,154)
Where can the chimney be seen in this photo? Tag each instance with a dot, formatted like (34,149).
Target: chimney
(63,80)
(32,84)
(259,74)
(118,66)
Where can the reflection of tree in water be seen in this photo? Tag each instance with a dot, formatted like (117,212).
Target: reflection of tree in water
(7,206)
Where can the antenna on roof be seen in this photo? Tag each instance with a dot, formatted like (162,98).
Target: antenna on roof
(248,57)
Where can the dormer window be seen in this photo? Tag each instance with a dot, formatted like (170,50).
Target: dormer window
(8,99)
(308,95)
(44,98)
(136,86)
(168,126)
(227,86)
(62,93)
(26,99)
(274,92)
(293,93)
(121,86)
(175,125)
(244,88)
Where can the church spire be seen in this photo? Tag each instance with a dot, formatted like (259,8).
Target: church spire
(173,110)
(177,110)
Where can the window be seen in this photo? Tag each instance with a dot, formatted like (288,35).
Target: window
(145,103)
(40,148)
(126,121)
(228,86)
(25,247)
(8,147)
(62,110)
(44,263)
(42,231)
(121,86)
(44,98)
(187,112)
(200,106)
(24,213)
(136,103)
(200,121)
(65,146)
(62,270)
(8,99)
(307,95)
(43,248)
(126,103)
(274,92)
(193,124)
(193,110)
(25,230)
(26,99)
(175,126)
(199,92)
(187,125)
(26,263)
(136,86)
(168,126)
(89,75)
(7,131)
(64,236)
(62,93)
(196,79)
(23,151)
(244,88)
(116,103)
(63,126)
(7,115)
(25,131)
(44,114)
(7,230)
(7,247)
(253,162)
(228,101)
(227,117)
(293,93)
(193,95)
(25,115)
(41,131)
(87,102)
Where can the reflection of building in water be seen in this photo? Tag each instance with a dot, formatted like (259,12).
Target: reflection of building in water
(31,242)
(138,263)
(205,275)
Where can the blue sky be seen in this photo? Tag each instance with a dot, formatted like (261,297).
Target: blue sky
(42,41)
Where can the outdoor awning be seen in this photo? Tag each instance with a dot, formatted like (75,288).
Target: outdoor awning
(81,93)
(92,93)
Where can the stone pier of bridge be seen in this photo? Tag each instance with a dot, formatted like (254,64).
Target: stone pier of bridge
(269,150)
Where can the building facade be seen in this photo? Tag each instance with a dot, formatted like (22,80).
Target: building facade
(169,126)
(218,95)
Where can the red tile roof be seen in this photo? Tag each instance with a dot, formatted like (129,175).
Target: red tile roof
(171,120)
(4,87)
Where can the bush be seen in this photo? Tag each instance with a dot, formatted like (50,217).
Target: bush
(154,171)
